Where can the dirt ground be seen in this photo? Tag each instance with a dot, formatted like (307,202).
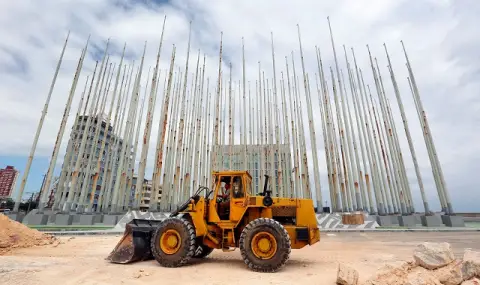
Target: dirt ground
(80,260)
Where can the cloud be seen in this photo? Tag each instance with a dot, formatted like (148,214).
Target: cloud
(439,36)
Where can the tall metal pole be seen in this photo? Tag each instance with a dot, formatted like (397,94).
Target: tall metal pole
(245,157)
(304,171)
(167,187)
(396,153)
(188,146)
(429,140)
(380,178)
(197,147)
(362,125)
(280,184)
(391,203)
(360,197)
(92,149)
(216,130)
(37,134)
(348,172)
(297,185)
(286,133)
(97,167)
(120,182)
(363,203)
(313,139)
(391,155)
(329,136)
(161,138)
(138,192)
(104,139)
(117,143)
(67,162)
(344,174)
(68,204)
(148,122)
(176,187)
(61,131)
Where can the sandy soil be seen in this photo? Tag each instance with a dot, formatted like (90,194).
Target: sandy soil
(16,235)
(80,260)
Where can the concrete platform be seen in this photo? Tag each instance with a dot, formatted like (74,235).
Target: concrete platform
(98,218)
(76,218)
(52,218)
(395,219)
(431,221)
(111,220)
(38,219)
(64,219)
(418,218)
(86,219)
(385,221)
(371,218)
(17,216)
(453,221)
(407,221)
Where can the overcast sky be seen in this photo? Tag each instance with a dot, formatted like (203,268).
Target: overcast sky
(439,36)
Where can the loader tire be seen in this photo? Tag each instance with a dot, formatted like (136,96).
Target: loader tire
(265,245)
(202,251)
(173,243)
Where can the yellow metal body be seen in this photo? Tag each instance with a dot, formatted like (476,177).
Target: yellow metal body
(222,231)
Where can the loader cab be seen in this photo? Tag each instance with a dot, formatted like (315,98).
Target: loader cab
(229,197)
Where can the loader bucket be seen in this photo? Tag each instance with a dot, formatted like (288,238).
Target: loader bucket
(135,242)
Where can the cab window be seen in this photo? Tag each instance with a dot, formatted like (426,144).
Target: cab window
(237,187)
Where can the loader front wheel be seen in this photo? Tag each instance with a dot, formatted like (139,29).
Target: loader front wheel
(265,245)
(173,243)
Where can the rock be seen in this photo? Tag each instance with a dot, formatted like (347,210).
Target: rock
(450,274)
(473,281)
(433,255)
(471,264)
(346,275)
(421,276)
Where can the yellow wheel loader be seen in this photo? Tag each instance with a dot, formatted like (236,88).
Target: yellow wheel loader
(230,216)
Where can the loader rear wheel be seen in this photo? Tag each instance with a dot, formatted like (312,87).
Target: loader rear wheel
(173,243)
(265,245)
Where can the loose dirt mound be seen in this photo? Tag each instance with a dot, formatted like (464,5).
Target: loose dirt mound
(16,235)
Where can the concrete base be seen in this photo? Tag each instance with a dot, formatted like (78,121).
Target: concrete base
(395,219)
(384,221)
(431,221)
(16,216)
(453,221)
(418,219)
(86,219)
(371,218)
(110,220)
(76,218)
(38,219)
(407,221)
(64,219)
(52,218)
(98,218)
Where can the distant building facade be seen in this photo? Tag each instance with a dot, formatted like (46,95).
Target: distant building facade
(146,196)
(93,148)
(8,180)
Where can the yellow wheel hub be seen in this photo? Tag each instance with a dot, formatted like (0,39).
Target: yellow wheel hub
(170,241)
(264,245)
